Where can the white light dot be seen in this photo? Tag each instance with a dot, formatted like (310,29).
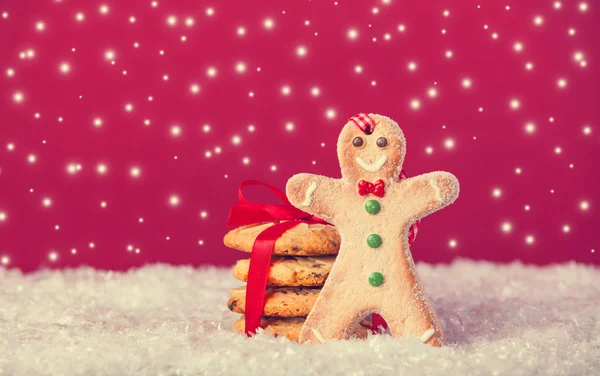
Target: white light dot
(584,205)
(206,128)
(467,83)
(387,36)
(141,220)
(189,21)
(449,143)
(506,227)
(210,12)
(171,20)
(289,126)
(561,83)
(452,243)
(448,54)
(415,104)
(429,150)
(530,128)
(91,245)
(128,107)
(572,31)
(583,7)
(10,146)
(236,140)
(31,158)
(79,17)
(352,34)
(529,239)
(558,150)
(194,88)
(358,69)
(136,44)
(518,170)
(73,168)
(286,90)
(557,5)
(315,91)
(40,26)
(211,72)
(103,204)
(175,130)
(301,51)
(5,260)
(103,9)
(53,256)
(135,172)
(494,35)
(587,130)
(246,160)
(251,128)
(330,113)
(443,31)
(497,192)
(47,202)
(273,168)
(174,200)
(10,72)
(18,97)
(203,214)
(132,19)
(5,15)
(514,104)
(412,66)
(566,229)
(64,67)
(518,46)
(538,20)
(578,56)
(240,67)
(529,65)
(268,23)
(373,83)
(527,208)
(241,31)
(101,168)
(432,92)
(109,55)
(3,216)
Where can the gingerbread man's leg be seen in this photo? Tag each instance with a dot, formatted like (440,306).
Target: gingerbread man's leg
(409,313)
(334,316)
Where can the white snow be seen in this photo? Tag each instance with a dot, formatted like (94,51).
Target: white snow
(516,320)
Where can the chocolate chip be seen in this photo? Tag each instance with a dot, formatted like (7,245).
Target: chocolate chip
(358,142)
(232,304)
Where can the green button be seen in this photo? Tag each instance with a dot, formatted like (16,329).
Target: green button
(376,279)
(372,207)
(374,241)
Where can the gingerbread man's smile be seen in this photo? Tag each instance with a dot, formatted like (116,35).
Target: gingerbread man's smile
(372,167)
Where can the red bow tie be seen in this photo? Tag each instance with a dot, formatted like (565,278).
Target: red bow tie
(365,187)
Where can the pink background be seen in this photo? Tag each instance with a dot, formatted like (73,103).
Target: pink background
(489,145)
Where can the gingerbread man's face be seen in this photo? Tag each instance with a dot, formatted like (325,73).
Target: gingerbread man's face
(378,155)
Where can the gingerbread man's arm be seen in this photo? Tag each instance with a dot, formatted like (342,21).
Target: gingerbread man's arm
(428,193)
(314,194)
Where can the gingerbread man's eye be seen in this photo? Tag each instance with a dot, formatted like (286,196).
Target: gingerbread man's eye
(357,142)
(382,142)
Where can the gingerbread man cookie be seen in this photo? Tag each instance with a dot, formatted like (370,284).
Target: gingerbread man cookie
(372,209)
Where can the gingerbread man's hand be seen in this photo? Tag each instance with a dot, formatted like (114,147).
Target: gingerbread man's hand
(314,194)
(430,192)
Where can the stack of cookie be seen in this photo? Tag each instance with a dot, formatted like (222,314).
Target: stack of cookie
(302,259)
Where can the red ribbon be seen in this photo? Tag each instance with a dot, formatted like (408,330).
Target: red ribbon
(245,213)
(377,188)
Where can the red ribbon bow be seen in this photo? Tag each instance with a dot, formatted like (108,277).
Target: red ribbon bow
(365,187)
(245,213)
